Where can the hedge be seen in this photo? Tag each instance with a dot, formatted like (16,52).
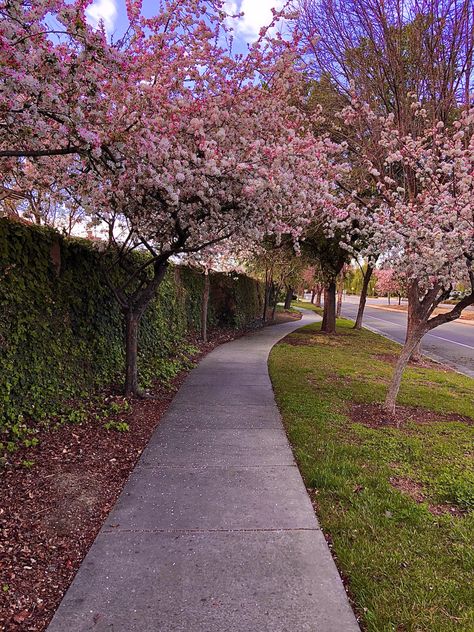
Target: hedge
(61,331)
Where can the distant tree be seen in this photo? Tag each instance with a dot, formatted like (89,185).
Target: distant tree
(388,283)
(277,264)
(330,256)
(313,280)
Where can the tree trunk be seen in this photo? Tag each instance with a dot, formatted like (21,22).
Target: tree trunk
(265,302)
(270,301)
(363,297)
(205,305)
(413,325)
(325,317)
(313,295)
(339,302)
(318,298)
(133,307)
(416,353)
(417,318)
(420,321)
(329,317)
(399,299)
(389,298)
(275,293)
(289,297)
(132,323)
(410,345)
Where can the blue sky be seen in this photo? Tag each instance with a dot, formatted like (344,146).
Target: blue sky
(257,14)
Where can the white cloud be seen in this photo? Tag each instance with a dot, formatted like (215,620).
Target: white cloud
(258,13)
(105,10)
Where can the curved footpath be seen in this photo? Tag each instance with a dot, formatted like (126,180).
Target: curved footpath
(214,530)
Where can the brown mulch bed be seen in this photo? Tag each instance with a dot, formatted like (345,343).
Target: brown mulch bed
(285,316)
(415,491)
(375,416)
(311,337)
(54,498)
(296,341)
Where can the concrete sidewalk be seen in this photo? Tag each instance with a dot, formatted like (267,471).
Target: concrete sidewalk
(214,530)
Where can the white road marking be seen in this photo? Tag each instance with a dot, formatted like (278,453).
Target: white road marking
(386,321)
(454,342)
(461,344)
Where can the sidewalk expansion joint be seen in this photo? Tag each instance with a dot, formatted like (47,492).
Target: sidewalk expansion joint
(118,530)
(185,429)
(186,466)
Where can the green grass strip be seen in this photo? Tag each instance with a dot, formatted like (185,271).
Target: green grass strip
(407,554)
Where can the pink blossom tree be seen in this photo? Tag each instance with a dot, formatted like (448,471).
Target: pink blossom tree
(166,139)
(427,218)
(387,282)
(313,279)
(225,168)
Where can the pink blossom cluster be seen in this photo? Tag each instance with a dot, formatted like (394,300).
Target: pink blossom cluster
(176,144)
(165,136)
(387,282)
(421,212)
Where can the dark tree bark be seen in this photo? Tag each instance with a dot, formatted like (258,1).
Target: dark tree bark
(133,307)
(329,316)
(417,317)
(37,153)
(132,323)
(205,305)
(318,297)
(412,341)
(325,300)
(266,301)
(275,293)
(363,297)
(265,305)
(313,295)
(289,297)
(339,302)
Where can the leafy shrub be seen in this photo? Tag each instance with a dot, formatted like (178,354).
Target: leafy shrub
(61,331)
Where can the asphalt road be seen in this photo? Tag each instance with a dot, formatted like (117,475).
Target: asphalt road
(452,344)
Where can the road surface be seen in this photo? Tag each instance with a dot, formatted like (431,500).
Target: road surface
(452,344)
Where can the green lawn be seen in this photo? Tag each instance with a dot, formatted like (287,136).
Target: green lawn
(397,504)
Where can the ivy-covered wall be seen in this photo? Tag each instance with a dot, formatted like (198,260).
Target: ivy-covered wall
(61,332)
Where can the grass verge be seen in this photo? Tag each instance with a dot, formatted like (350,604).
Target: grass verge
(396,504)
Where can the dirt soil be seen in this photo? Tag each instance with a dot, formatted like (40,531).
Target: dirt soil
(308,338)
(416,492)
(285,316)
(54,498)
(422,362)
(375,416)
